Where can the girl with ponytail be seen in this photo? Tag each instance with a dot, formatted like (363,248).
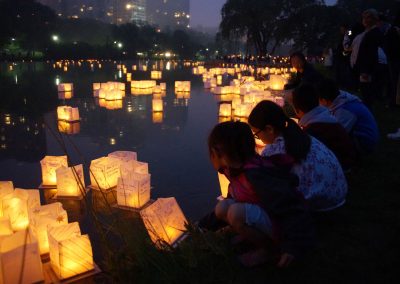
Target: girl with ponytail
(321,179)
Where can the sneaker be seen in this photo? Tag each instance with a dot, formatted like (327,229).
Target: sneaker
(394,136)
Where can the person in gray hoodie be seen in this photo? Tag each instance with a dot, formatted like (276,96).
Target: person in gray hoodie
(317,121)
(352,114)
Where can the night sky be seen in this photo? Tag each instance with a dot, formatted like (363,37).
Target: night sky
(207,12)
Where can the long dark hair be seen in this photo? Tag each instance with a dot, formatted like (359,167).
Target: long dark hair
(297,142)
(234,140)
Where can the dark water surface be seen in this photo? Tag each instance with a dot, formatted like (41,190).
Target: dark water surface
(176,148)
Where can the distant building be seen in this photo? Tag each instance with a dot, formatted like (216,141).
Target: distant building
(109,11)
(169,14)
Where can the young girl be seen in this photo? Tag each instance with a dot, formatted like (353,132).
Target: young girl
(262,204)
(322,181)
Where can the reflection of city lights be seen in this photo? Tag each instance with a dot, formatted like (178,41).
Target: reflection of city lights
(55,38)
(168,54)
(113,141)
(129,109)
(57,81)
(22,119)
(168,67)
(7,119)
(128,6)
(121,134)
(36,132)
(16,79)
(3,146)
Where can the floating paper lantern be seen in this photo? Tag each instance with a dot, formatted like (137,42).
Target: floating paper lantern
(104,173)
(158,117)
(6,187)
(243,110)
(219,80)
(163,86)
(42,218)
(70,252)
(65,87)
(157,105)
(126,159)
(15,207)
(225,110)
(128,77)
(70,181)
(182,95)
(68,113)
(134,191)
(156,75)
(143,84)
(111,105)
(96,86)
(19,259)
(277,82)
(182,86)
(224,185)
(49,166)
(164,221)
(69,127)
(139,92)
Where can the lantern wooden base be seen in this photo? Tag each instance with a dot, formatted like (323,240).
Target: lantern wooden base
(70,121)
(57,197)
(127,208)
(45,187)
(51,277)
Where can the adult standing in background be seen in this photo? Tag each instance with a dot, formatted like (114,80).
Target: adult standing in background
(367,63)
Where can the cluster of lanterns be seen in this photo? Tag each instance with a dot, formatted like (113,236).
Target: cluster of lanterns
(109,91)
(30,230)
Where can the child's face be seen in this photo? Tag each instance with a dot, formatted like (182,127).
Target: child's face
(217,161)
(266,135)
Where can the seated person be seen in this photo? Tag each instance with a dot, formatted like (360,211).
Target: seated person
(305,72)
(321,179)
(318,122)
(352,114)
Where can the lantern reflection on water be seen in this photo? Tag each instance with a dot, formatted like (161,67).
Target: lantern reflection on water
(69,127)
(164,221)
(19,259)
(49,165)
(70,252)
(157,105)
(158,117)
(42,218)
(70,181)
(67,113)
(104,173)
(65,87)
(65,95)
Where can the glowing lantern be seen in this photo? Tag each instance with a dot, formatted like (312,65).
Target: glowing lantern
(243,110)
(66,87)
(127,160)
(144,68)
(70,252)
(104,173)
(43,217)
(6,187)
(183,95)
(128,77)
(164,221)
(69,127)
(19,259)
(157,90)
(163,86)
(96,86)
(49,166)
(182,86)
(143,84)
(65,95)
(67,113)
(157,105)
(5,227)
(225,110)
(70,181)
(134,191)
(156,75)
(224,185)
(219,80)
(277,82)
(158,117)
(15,207)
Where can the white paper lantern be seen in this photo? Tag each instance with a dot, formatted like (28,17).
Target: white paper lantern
(104,173)
(68,113)
(65,87)
(19,259)
(49,165)
(45,216)
(6,187)
(134,191)
(5,227)
(70,181)
(164,221)
(70,252)
(225,110)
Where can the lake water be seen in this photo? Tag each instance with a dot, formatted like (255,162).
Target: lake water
(174,143)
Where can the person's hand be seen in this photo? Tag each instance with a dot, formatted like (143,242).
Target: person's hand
(285,260)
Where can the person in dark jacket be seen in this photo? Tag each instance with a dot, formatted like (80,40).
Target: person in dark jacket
(352,114)
(317,121)
(263,206)
(305,72)
(367,62)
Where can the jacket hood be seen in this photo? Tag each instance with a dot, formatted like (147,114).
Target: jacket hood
(343,98)
(318,114)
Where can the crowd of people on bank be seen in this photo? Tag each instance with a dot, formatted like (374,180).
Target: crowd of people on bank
(275,195)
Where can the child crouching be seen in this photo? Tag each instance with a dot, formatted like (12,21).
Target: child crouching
(263,206)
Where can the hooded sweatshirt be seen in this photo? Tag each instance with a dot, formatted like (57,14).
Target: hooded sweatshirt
(358,121)
(320,124)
